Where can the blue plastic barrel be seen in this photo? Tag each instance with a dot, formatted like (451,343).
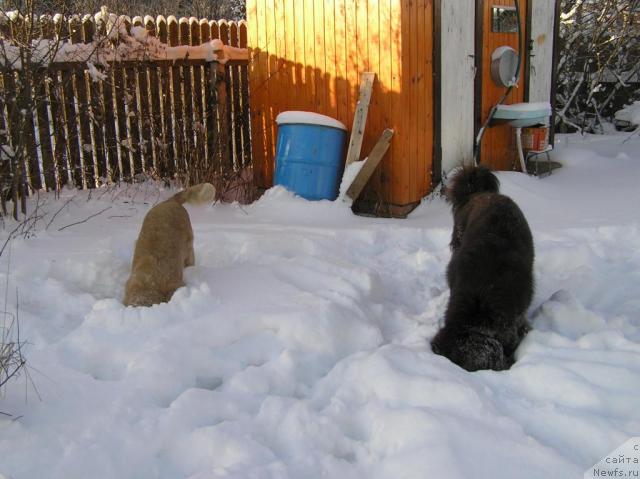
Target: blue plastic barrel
(310,154)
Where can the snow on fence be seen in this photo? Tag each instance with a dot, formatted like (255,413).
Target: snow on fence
(107,98)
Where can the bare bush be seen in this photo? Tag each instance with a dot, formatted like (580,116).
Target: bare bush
(599,65)
(12,360)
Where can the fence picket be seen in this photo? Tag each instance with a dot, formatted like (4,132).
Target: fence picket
(155,118)
(224,113)
(130,94)
(133,118)
(205,30)
(223,25)
(122,137)
(71,126)
(154,94)
(187,92)
(150,25)
(197,93)
(215,29)
(96,119)
(60,151)
(44,132)
(146,125)
(235,92)
(5,170)
(211,120)
(245,124)
(13,122)
(26,104)
(169,149)
(176,95)
(107,115)
(82,107)
(47,30)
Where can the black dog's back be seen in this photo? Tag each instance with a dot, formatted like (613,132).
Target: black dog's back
(490,275)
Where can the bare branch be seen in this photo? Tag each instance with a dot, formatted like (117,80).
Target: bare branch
(86,219)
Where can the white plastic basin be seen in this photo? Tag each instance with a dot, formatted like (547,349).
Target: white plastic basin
(523,114)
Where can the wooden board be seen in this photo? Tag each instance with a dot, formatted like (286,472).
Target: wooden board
(371,163)
(360,118)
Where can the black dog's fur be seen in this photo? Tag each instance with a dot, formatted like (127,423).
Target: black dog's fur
(490,275)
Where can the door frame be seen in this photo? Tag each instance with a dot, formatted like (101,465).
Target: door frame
(479,61)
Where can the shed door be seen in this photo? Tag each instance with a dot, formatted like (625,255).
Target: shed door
(496,29)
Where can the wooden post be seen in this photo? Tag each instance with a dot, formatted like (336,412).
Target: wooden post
(244,104)
(197,96)
(205,36)
(187,96)
(167,165)
(27,105)
(176,95)
(146,124)
(224,138)
(96,117)
(13,120)
(5,169)
(87,169)
(211,117)
(110,138)
(57,113)
(123,136)
(44,132)
(234,103)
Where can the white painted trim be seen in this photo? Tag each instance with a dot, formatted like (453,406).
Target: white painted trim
(541,61)
(457,82)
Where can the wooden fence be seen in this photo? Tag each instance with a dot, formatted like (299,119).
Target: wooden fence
(309,55)
(79,125)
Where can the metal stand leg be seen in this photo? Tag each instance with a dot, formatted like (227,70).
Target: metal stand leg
(533,155)
(523,165)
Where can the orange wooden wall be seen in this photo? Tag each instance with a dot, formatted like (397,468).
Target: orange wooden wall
(309,54)
(498,144)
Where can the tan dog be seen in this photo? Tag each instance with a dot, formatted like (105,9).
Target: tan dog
(164,248)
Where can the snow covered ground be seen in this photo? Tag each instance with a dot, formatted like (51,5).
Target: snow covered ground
(299,347)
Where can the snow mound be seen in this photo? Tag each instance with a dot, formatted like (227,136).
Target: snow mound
(630,113)
(298,347)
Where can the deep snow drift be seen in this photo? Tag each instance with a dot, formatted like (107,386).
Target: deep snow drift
(299,347)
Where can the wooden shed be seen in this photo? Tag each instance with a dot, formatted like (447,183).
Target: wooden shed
(432,60)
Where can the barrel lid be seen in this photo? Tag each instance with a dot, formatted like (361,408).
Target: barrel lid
(308,118)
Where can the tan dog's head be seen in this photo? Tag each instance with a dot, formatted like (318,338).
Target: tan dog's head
(198,194)
(143,287)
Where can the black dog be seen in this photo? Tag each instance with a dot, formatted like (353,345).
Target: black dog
(490,275)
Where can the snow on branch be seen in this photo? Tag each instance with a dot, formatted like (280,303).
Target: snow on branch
(598,64)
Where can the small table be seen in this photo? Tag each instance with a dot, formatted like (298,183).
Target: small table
(533,155)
